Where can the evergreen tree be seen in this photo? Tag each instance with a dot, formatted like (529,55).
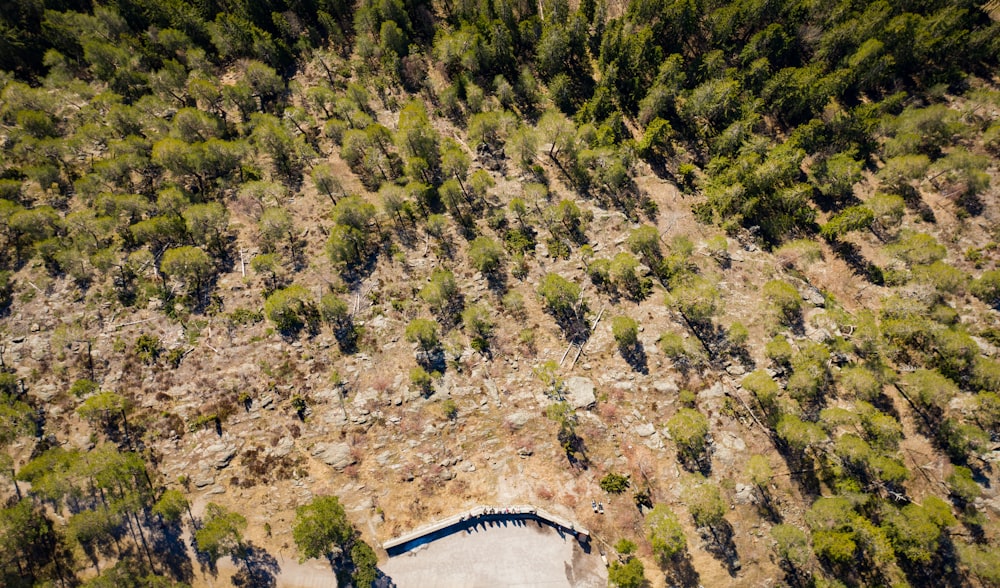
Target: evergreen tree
(321,527)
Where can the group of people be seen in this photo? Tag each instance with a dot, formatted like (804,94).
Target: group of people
(492,510)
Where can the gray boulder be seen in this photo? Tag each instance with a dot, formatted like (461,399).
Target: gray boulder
(518,419)
(580,392)
(644,430)
(336,455)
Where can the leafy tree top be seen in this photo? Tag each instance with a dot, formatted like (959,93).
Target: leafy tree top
(320,527)
(221,532)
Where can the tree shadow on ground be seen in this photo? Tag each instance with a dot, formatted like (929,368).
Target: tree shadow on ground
(851,255)
(794,576)
(444,246)
(354,274)
(719,543)
(714,339)
(917,204)
(257,568)
(206,563)
(405,233)
(635,356)
(941,570)
(574,325)
(699,461)
(767,507)
(346,334)
(885,404)
(741,354)
(497,281)
(801,469)
(450,315)
(168,545)
(433,360)
(971,202)
(574,446)
(658,165)
(679,571)
(796,324)
(628,199)
(466,226)
(297,253)
(832,203)
(383,581)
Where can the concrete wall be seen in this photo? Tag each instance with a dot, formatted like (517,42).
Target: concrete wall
(457,522)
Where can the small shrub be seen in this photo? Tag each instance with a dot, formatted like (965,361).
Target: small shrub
(519,242)
(559,294)
(205,420)
(599,271)
(625,331)
(527,338)
(852,218)
(290,309)
(987,287)
(299,404)
(83,387)
(424,333)
(333,309)
(148,348)
(479,324)
(665,533)
(962,485)
(245,316)
(718,248)
(704,502)
(779,350)
(519,268)
(630,574)
(513,303)
(672,345)
(738,334)
(697,300)
(174,357)
(622,272)
(449,409)
(689,429)
(614,483)
(859,382)
(625,546)
(918,249)
(422,380)
(485,255)
(785,298)
(6,290)
(442,294)
(799,253)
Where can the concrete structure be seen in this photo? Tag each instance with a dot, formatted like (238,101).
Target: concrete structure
(471,518)
(518,546)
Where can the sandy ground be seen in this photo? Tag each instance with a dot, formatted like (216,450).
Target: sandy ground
(314,573)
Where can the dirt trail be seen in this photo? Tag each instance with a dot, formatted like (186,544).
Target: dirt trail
(313,573)
(928,464)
